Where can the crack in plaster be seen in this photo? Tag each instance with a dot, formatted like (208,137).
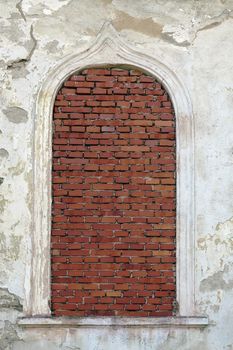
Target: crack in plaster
(23,61)
(19,8)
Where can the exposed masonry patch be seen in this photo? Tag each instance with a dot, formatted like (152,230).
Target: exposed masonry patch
(8,336)
(9,300)
(16,115)
(18,63)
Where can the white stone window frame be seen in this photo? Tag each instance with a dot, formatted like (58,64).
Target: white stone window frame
(110,49)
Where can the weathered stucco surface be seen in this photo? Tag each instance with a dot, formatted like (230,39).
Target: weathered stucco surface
(194,38)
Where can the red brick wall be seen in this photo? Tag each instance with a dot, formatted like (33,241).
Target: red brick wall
(113,221)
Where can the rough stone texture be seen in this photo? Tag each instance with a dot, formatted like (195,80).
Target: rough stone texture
(194,38)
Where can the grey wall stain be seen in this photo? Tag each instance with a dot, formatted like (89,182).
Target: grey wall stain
(52,47)
(216,281)
(19,71)
(4,153)
(12,31)
(16,115)
(3,203)
(10,246)
(18,169)
(106,2)
(15,242)
(169,38)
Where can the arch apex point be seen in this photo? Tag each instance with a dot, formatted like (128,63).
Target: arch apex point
(107,31)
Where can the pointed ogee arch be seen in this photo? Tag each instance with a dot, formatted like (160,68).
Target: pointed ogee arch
(109,49)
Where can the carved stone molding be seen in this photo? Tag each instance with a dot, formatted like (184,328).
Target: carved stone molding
(110,49)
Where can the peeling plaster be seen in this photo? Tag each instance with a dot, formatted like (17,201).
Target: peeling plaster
(31,7)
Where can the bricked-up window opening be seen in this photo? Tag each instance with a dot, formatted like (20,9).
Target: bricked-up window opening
(114,198)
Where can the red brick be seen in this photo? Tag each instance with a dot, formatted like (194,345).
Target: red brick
(113,184)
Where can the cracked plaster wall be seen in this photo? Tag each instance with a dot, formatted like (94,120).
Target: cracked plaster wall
(194,38)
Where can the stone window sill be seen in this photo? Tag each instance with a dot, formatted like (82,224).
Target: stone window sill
(76,322)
